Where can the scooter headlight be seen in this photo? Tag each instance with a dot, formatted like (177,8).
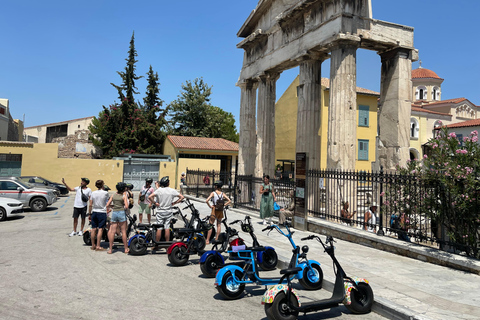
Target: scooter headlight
(305,249)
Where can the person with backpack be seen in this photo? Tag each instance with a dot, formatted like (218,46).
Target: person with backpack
(82,196)
(219,201)
(145,204)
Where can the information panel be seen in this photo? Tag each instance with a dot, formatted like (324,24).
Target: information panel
(300,192)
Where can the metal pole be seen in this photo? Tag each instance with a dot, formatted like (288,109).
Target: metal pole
(380,231)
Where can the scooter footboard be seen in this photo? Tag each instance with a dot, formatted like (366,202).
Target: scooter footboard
(349,287)
(304,265)
(209,253)
(221,273)
(272,292)
(135,236)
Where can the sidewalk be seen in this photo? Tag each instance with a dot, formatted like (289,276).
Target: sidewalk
(404,288)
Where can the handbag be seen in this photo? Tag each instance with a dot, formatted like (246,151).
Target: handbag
(84,197)
(276,207)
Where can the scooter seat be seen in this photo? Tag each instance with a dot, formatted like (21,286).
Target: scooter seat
(157,225)
(290,270)
(143,225)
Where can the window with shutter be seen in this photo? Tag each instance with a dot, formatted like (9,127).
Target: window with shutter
(363,150)
(363,116)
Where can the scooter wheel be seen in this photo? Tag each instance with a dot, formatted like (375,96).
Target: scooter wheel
(269,259)
(137,248)
(201,243)
(87,239)
(211,265)
(362,299)
(229,288)
(280,310)
(312,278)
(177,257)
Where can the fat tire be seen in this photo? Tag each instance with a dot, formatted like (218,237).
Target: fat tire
(136,248)
(211,265)
(279,309)
(307,280)
(87,239)
(3,214)
(269,259)
(177,258)
(229,290)
(362,300)
(38,204)
(201,242)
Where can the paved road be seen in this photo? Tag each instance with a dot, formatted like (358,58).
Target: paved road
(47,275)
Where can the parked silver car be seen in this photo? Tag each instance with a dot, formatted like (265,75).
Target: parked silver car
(36,198)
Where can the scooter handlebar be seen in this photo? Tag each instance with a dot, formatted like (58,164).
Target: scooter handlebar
(268,228)
(236,221)
(310,237)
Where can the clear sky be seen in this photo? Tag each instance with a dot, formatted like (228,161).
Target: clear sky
(58,58)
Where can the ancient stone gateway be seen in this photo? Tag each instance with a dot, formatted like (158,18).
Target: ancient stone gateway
(282,34)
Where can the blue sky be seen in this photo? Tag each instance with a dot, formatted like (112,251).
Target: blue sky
(58,58)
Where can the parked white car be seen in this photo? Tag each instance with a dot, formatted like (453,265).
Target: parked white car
(9,208)
(36,198)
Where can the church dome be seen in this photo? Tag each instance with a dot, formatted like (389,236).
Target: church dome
(422,73)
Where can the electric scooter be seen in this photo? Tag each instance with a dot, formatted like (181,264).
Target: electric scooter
(212,261)
(87,239)
(146,235)
(231,279)
(282,302)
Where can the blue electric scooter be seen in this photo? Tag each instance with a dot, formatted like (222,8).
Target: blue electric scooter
(231,279)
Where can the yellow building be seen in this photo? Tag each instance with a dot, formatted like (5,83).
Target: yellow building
(286,126)
(198,153)
(430,112)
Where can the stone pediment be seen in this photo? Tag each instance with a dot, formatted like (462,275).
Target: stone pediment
(465,111)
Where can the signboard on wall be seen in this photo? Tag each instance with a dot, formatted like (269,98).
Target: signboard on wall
(300,221)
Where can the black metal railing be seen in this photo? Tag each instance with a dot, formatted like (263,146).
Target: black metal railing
(401,209)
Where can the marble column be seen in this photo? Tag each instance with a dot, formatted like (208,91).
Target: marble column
(265,159)
(395,109)
(342,112)
(247,139)
(309,94)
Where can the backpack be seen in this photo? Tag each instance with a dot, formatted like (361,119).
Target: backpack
(130,200)
(394,221)
(220,203)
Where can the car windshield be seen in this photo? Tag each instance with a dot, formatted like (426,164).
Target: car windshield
(24,184)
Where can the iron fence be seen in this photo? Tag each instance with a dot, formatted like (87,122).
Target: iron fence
(400,200)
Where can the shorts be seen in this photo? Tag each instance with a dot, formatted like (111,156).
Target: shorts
(165,220)
(79,212)
(217,213)
(99,219)
(144,208)
(118,216)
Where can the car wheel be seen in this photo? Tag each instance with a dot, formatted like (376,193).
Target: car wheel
(38,204)
(3,214)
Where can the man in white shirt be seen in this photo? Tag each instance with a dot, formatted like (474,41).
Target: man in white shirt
(163,199)
(79,206)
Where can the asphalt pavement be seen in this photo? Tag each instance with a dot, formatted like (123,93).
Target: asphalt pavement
(44,274)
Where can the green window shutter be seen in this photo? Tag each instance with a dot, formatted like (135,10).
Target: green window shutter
(363,116)
(363,150)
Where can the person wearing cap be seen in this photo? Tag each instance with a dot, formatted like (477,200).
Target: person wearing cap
(144,202)
(216,214)
(371,218)
(79,206)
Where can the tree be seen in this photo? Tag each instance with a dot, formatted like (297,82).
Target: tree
(128,127)
(193,115)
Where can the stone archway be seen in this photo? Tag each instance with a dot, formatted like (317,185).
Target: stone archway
(282,34)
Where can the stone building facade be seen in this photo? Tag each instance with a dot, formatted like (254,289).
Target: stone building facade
(77,146)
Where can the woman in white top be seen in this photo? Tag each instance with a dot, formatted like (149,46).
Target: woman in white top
(371,218)
(98,212)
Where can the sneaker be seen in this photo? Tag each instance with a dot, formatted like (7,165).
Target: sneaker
(72,234)
(80,233)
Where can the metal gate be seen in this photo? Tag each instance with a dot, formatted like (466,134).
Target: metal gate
(10,165)
(136,172)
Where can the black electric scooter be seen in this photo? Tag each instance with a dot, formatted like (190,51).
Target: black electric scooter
(282,302)
(87,239)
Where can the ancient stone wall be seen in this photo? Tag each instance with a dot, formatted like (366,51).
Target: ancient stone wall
(77,146)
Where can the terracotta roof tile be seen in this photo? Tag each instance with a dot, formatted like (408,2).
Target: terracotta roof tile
(419,109)
(455,100)
(200,143)
(422,73)
(468,123)
(326,83)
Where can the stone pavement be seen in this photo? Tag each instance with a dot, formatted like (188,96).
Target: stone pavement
(404,288)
